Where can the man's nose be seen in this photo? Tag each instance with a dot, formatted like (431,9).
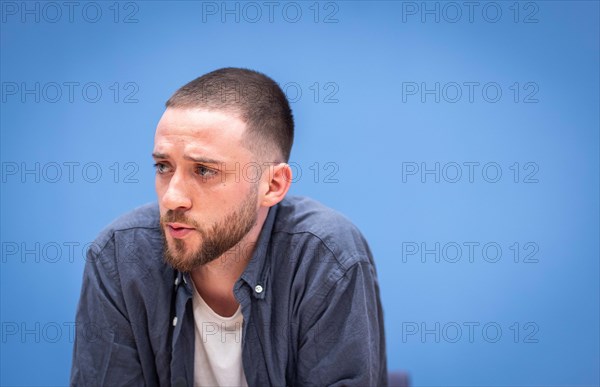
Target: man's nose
(176,196)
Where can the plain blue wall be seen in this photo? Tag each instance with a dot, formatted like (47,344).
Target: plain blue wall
(461,323)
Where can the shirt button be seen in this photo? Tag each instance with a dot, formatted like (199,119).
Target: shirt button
(175,321)
(258,289)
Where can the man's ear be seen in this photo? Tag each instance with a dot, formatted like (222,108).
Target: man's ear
(279,182)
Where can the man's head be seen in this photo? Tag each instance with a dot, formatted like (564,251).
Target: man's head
(220,149)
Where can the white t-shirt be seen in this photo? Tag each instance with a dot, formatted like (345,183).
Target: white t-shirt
(218,347)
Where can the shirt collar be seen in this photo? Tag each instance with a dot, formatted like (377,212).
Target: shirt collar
(256,274)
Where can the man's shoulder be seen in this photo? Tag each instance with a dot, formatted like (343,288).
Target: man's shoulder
(145,217)
(303,215)
(298,214)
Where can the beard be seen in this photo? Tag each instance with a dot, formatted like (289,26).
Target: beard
(216,239)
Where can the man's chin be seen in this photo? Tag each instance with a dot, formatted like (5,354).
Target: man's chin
(183,264)
(185,261)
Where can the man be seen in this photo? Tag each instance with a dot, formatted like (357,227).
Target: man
(227,281)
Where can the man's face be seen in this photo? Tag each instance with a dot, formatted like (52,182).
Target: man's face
(206,205)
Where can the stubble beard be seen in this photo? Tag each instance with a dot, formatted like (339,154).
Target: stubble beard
(216,240)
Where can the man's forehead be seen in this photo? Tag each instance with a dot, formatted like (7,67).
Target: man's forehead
(200,133)
(200,120)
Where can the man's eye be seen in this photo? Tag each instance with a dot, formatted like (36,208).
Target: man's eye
(161,168)
(204,172)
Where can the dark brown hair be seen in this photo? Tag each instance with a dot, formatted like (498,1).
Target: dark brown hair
(255,98)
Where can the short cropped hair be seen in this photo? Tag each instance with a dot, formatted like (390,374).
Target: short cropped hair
(255,98)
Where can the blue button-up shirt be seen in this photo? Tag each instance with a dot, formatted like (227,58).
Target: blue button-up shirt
(309,297)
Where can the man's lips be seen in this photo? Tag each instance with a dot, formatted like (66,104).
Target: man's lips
(179,230)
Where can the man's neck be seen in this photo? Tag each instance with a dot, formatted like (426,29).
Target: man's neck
(214,281)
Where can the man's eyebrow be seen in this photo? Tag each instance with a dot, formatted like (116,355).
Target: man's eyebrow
(157,155)
(204,160)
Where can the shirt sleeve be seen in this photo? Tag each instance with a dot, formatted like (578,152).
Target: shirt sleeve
(104,352)
(345,346)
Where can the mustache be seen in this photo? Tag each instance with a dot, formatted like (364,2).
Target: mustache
(177,217)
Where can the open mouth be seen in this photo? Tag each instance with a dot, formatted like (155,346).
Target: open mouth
(179,231)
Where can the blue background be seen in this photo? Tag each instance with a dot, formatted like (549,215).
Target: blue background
(363,58)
